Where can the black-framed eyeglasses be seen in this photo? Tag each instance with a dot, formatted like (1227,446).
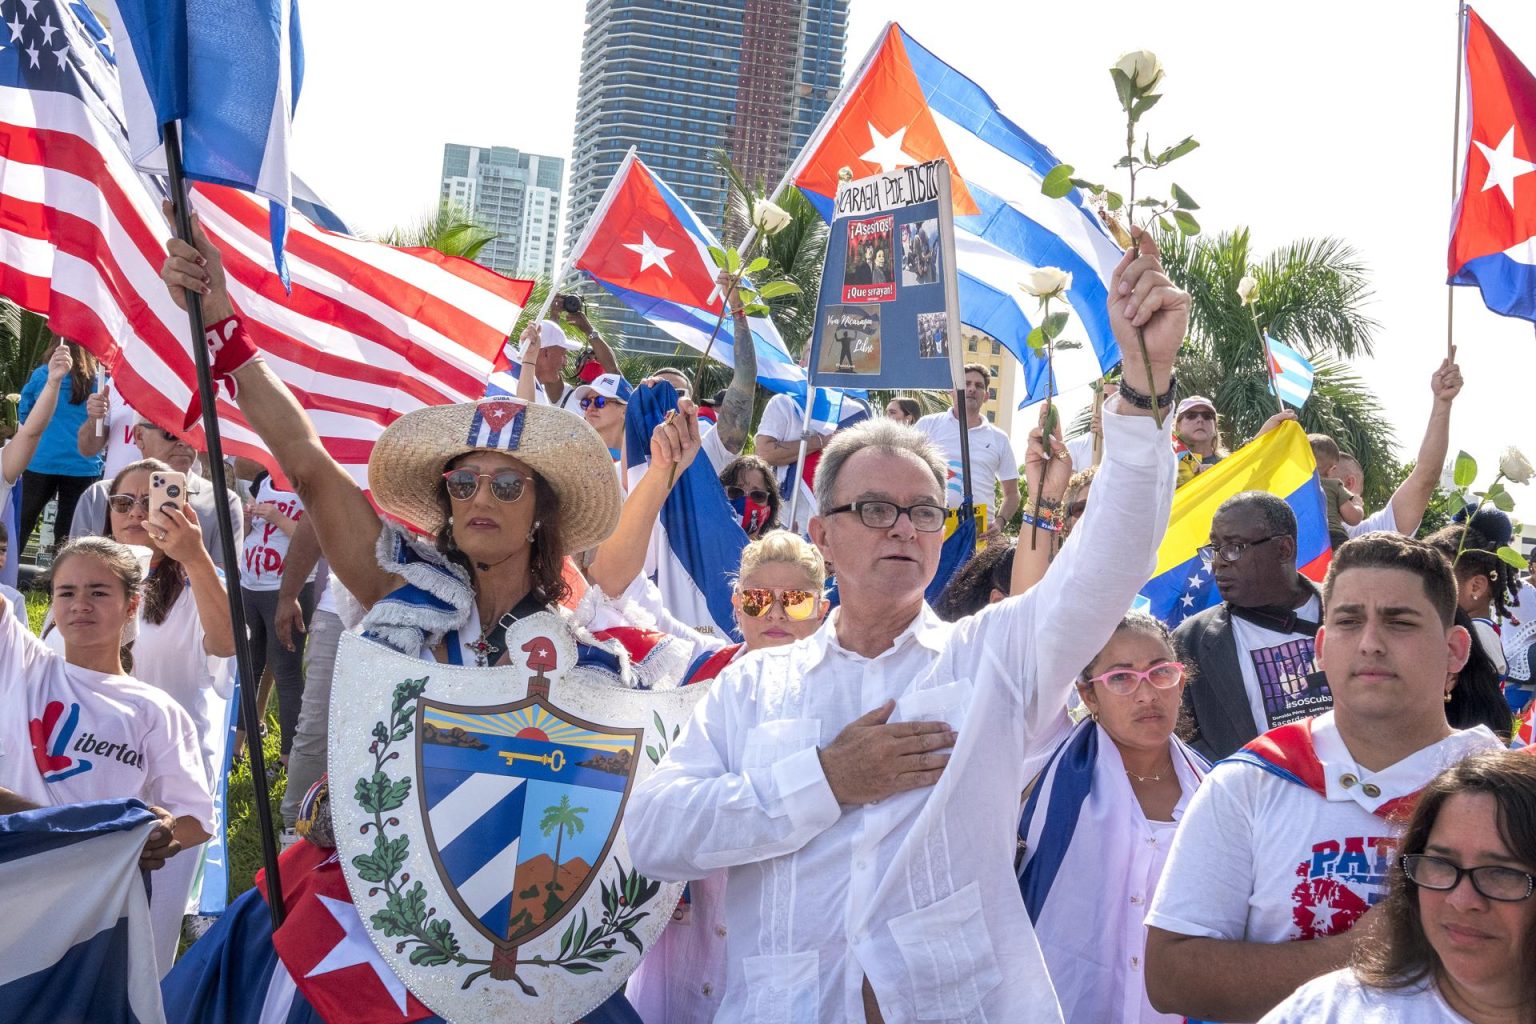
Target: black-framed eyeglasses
(507,485)
(1504,885)
(735,493)
(123,503)
(1232,550)
(882,515)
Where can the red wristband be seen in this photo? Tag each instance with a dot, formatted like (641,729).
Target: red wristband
(229,347)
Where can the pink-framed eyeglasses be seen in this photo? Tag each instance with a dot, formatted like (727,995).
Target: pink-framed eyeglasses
(1123,682)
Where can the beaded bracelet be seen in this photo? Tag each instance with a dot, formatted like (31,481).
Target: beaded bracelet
(1141,401)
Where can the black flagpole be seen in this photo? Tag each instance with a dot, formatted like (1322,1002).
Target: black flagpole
(249,718)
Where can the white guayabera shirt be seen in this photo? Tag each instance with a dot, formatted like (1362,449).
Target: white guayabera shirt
(917,891)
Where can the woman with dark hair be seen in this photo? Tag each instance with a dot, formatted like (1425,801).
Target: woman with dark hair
(1457,939)
(57,468)
(1485,584)
(1099,821)
(904,410)
(1476,699)
(753,492)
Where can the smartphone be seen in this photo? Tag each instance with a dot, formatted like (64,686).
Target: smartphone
(166,488)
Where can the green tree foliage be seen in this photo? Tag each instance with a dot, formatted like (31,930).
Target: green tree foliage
(1310,295)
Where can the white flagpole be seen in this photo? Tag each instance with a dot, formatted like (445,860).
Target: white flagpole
(588,230)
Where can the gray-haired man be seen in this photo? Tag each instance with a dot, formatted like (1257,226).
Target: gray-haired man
(870,870)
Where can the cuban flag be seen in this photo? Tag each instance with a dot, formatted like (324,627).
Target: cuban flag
(75,939)
(1279,462)
(1493,222)
(832,409)
(904,106)
(1290,373)
(497,424)
(230,74)
(649,251)
(699,539)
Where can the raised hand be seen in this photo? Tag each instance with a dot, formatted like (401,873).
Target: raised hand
(196,267)
(1142,296)
(873,758)
(675,441)
(59,363)
(1446,382)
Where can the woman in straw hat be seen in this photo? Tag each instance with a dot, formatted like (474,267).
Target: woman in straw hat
(505,490)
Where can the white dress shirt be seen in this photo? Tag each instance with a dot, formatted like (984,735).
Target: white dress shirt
(917,891)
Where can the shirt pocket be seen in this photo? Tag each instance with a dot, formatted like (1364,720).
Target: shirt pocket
(771,742)
(781,989)
(947,703)
(949,956)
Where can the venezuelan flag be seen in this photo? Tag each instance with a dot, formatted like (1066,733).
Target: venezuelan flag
(1279,462)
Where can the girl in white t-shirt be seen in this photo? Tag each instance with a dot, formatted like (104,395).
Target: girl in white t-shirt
(1458,934)
(76,727)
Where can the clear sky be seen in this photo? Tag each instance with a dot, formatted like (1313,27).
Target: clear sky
(1314,118)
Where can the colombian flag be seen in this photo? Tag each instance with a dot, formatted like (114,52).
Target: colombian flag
(1279,462)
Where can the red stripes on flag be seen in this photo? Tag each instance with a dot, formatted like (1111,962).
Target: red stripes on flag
(367,333)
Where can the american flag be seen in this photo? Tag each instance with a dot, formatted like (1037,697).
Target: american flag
(368,333)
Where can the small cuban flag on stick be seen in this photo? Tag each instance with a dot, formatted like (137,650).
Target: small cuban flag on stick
(1290,374)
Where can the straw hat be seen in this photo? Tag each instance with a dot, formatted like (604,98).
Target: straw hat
(406,467)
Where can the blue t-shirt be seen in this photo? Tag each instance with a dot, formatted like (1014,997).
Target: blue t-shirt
(57,452)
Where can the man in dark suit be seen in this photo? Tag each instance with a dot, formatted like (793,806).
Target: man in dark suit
(1252,656)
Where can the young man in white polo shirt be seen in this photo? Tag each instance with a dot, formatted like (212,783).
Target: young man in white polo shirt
(1286,846)
(992,458)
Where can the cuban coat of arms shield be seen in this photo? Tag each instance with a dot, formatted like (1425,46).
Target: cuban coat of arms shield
(478,813)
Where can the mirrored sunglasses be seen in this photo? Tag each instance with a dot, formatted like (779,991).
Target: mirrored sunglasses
(507,485)
(756,602)
(598,401)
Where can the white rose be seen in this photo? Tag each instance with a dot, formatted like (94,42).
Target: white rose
(1143,68)
(1516,467)
(1245,289)
(1046,281)
(769,217)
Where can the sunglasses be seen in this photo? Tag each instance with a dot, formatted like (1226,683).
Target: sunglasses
(507,485)
(737,493)
(177,438)
(123,503)
(597,401)
(1199,414)
(1123,682)
(756,602)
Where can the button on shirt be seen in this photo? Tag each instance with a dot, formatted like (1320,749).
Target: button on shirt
(916,891)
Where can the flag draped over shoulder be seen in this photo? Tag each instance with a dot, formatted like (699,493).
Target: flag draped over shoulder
(1279,462)
(698,542)
(367,333)
(906,107)
(1493,223)
(651,252)
(75,938)
(229,73)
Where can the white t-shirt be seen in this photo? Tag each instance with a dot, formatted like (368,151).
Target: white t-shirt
(1275,668)
(1383,520)
(120,450)
(782,418)
(713,448)
(1263,859)
(104,736)
(1341,998)
(1080,451)
(261,565)
(992,460)
(171,657)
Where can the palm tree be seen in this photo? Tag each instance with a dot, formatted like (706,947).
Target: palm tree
(25,342)
(561,818)
(1310,294)
(448,229)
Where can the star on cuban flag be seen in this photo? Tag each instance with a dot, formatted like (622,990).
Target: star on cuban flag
(1493,232)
